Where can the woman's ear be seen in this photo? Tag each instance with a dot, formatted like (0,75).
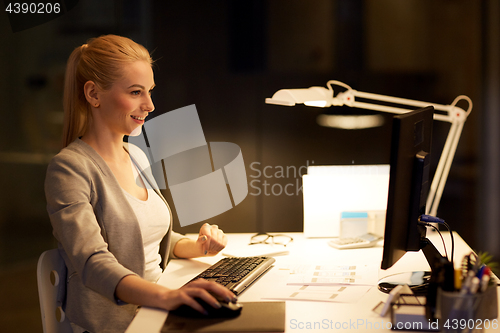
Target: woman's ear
(91,93)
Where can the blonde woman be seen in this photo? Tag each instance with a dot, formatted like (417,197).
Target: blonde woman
(115,236)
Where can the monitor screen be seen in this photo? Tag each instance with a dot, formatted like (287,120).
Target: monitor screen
(408,183)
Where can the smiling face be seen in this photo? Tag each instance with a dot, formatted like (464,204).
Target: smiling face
(123,108)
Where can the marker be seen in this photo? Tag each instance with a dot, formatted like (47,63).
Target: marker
(458,279)
(485,280)
(467,283)
(481,272)
(474,285)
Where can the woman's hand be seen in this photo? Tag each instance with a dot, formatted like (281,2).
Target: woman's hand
(211,239)
(198,289)
(135,290)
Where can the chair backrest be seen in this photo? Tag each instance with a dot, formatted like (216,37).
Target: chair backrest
(49,280)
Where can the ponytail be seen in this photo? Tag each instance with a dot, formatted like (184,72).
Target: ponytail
(76,109)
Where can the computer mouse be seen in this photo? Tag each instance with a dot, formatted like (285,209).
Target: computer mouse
(227,310)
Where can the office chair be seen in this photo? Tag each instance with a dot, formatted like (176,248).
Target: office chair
(51,272)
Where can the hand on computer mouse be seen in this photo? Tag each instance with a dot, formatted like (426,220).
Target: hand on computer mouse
(210,292)
(226,310)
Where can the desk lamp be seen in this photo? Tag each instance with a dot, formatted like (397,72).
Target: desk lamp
(324,97)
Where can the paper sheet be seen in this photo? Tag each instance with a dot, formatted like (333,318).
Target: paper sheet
(327,275)
(339,294)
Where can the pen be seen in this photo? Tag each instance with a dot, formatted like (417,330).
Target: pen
(481,272)
(467,282)
(474,285)
(484,282)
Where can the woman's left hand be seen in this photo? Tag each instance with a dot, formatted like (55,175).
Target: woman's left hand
(211,239)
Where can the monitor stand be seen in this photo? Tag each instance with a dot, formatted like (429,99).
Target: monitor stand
(442,276)
(419,280)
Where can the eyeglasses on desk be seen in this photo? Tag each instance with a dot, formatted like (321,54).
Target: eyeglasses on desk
(274,239)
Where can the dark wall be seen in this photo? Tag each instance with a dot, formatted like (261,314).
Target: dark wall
(227,57)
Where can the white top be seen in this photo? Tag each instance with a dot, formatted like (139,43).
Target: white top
(154,219)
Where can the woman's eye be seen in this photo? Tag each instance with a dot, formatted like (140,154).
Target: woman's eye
(136,92)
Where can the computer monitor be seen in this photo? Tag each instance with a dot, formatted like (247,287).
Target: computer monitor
(408,189)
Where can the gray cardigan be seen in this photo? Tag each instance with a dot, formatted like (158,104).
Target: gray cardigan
(98,235)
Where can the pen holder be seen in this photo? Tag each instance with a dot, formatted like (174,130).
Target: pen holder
(467,313)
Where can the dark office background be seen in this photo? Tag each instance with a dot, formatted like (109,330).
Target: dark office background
(227,57)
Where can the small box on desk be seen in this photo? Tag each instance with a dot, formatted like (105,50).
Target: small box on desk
(408,314)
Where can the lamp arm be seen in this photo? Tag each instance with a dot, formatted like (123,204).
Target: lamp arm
(443,168)
(456,116)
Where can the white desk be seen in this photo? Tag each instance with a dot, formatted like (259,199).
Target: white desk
(353,317)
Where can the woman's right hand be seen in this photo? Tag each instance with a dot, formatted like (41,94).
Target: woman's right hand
(200,288)
(133,289)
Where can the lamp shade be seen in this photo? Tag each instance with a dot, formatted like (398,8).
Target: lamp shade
(313,96)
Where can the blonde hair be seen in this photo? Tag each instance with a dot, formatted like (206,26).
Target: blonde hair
(101,60)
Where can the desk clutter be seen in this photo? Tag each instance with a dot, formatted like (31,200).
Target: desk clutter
(409,309)
(328,300)
(468,304)
(457,310)
(472,304)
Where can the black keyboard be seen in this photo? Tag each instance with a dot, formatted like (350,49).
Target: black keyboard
(236,273)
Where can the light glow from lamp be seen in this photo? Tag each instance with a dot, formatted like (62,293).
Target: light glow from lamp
(350,122)
(318,104)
